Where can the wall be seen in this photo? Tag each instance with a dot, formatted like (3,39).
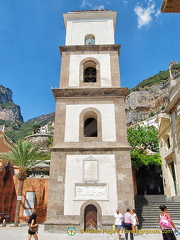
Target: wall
(102,191)
(40,187)
(7,194)
(105,69)
(108,121)
(101,29)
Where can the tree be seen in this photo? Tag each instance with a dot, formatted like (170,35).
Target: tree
(36,128)
(23,155)
(144,140)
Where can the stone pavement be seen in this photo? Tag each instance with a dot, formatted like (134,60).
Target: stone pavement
(20,233)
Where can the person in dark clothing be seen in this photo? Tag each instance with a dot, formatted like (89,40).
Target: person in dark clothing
(33,227)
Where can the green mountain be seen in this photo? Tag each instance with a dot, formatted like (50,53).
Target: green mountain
(26,128)
(161,77)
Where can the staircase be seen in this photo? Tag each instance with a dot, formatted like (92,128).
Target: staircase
(147,210)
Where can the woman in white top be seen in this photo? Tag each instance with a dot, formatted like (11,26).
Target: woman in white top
(118,222)
(135,221)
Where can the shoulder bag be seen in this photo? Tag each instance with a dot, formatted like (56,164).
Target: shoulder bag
(165,221)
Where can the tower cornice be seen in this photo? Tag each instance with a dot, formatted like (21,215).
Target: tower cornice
(83,48)
(101,149)
(90,15)
(90,92)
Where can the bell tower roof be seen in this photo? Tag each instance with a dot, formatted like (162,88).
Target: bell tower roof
(90,14)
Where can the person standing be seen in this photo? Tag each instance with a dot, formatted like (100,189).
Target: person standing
(118,222)
(135,221)
(166,224)
(33,227)
(128,224)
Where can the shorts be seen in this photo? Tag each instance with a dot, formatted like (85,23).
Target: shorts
(31,233)
(118,227)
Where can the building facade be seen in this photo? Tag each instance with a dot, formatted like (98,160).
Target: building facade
(90,172)
(35,190)
(7,186)
(169,141)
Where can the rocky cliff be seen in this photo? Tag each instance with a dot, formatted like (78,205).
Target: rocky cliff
(9,111)
(146,102)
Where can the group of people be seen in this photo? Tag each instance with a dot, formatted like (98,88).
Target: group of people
(130,220)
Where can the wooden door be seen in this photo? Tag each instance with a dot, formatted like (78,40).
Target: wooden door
(90,217)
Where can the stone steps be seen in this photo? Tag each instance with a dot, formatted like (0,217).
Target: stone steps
(147,210)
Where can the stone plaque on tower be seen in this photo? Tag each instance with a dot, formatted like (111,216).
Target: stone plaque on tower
(90,170)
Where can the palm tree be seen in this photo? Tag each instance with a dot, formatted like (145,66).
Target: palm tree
(24,155)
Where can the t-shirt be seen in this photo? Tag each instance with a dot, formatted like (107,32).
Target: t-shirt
(127,218)
(118,218)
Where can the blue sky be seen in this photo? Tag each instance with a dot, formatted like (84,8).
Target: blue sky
(31,32)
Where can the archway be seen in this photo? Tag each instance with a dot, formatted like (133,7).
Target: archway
(90,217)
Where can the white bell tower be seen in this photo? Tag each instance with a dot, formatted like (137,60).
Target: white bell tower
(90,173)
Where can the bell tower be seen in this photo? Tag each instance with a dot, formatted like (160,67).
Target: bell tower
(90,174)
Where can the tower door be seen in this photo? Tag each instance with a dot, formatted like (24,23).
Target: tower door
(90,217)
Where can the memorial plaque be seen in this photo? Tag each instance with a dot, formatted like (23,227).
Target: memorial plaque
(90,170)
(98,192)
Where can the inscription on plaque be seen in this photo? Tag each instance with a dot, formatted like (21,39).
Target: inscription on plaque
(90,170)
(91,192)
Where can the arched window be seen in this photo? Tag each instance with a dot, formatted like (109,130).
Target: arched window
(89,39)
(90,125)
(89,74)
(168,142)
(89,71)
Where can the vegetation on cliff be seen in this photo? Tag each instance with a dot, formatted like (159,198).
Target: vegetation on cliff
(16,133)
(161,77)
(7,105)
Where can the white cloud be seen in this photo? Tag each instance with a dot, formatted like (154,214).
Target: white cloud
(145,14)
(85,3)
(95,4)
(149,1)
(99,7)
(108,2)
(157,14)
